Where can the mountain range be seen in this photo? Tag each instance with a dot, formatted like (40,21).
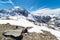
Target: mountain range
(21,17)
(18,12)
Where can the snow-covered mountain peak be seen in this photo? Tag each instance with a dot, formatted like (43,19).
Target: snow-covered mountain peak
(15,11)
(18,8)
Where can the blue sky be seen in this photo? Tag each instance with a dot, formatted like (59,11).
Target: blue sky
(30,5)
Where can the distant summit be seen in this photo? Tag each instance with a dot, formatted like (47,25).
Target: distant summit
(15,11)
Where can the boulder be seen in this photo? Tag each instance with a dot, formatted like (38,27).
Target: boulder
(14,33)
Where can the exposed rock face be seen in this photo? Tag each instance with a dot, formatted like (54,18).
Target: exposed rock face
(14,33)
(39,36)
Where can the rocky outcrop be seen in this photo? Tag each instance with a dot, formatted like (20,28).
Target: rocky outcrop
(39,36)
(19,33)
(32,36)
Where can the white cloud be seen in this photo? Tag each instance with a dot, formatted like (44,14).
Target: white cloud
(46,11)
(31,8)
(9,1)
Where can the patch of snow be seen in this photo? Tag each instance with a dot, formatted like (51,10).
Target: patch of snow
(35,29)
(17,17)
(21,22)
(30,17)
(39,28)
(16,7)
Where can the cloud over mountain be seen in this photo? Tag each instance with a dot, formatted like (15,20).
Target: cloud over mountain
(46,11)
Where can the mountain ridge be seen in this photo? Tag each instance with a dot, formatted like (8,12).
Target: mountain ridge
(15,11)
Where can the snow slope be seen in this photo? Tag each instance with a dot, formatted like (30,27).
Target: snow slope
(21,22)
(39,28)
(26,23)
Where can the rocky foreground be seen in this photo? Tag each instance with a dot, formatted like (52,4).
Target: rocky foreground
(39,36)
(29,36)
